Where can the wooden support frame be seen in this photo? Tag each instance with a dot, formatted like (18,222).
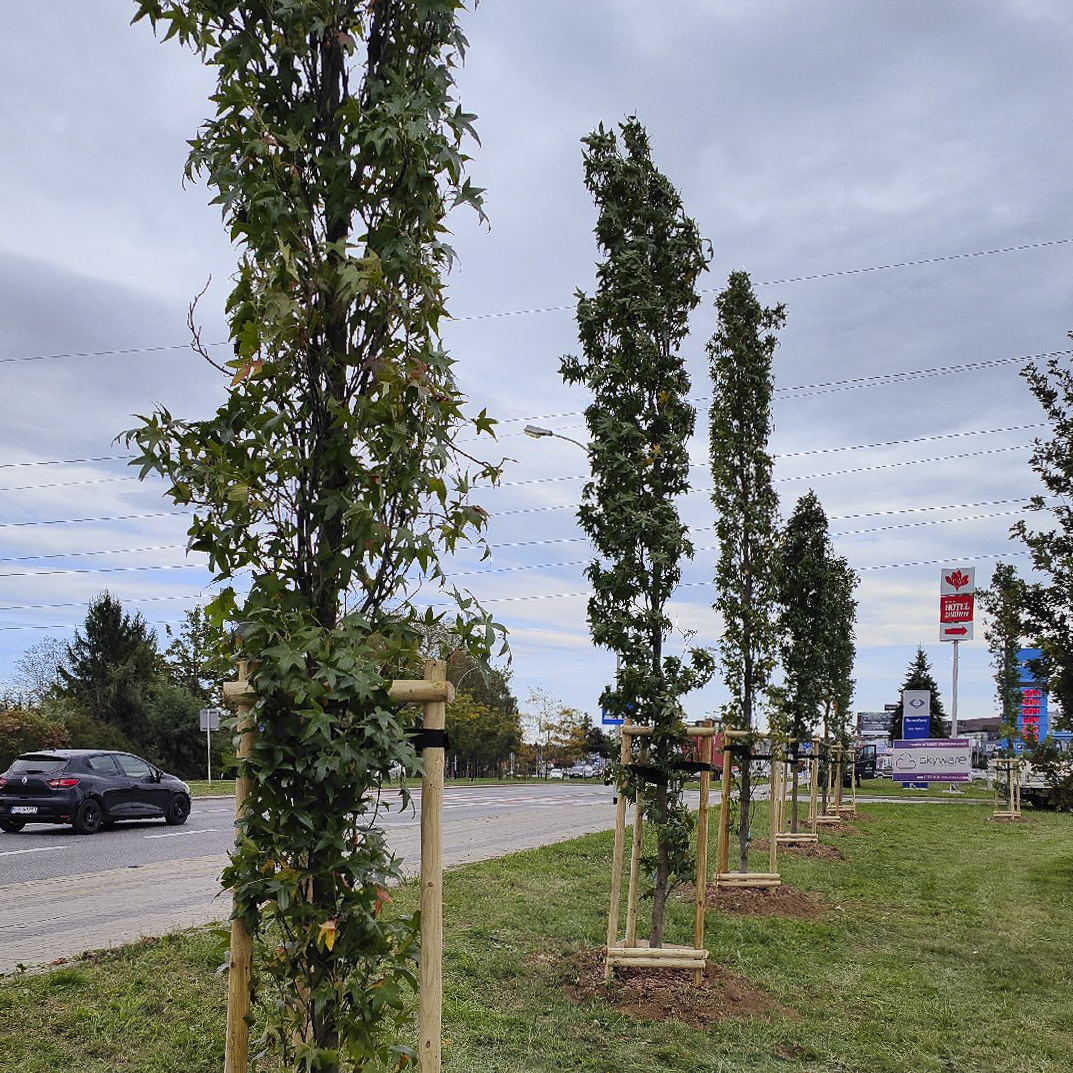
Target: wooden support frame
(724,877)
(435,693)
(816,818)
(632,952)
(780,795)
(1007,769)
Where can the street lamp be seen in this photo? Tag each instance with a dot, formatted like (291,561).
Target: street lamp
(538,433)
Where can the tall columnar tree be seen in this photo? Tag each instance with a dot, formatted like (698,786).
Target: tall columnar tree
(918,675)
(639,423)
(111,666)
(837,629)
(1004,603)
(746,505)
(804,558)
(1048,531)
(335,151)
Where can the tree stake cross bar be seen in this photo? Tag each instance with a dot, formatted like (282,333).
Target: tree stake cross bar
(435,693)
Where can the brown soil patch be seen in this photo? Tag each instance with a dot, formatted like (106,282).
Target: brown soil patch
(804,849)
(1006,819)
(781,901)
(669,994)
(840,828)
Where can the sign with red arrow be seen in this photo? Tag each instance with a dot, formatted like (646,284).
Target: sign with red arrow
(957,598)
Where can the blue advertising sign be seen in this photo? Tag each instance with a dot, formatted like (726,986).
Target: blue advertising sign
(916,713)
(1032,724)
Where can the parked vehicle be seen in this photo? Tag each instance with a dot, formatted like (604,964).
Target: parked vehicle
(89,789)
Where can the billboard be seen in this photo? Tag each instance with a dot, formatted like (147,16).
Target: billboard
(933,760)
(1032,723)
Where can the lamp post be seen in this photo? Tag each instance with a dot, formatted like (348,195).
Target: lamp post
(538,433)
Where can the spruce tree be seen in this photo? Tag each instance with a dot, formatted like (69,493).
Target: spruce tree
(111,667)
(918,676)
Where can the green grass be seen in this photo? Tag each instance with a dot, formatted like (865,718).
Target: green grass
(945,949)
(888,788)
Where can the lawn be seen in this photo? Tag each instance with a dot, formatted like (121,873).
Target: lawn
(941,943)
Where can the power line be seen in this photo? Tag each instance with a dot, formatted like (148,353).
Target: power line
(99,518)
(470,317)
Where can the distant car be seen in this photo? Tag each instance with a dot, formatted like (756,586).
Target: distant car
(555,773)
(89,789)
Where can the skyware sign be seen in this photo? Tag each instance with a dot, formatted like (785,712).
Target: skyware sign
(933,760)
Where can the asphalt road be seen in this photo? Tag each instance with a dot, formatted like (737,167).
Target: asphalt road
(63,893)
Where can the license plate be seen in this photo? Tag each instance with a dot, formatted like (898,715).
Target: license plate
(23,810)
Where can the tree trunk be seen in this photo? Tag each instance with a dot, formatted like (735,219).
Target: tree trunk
(746,794)
(663,869)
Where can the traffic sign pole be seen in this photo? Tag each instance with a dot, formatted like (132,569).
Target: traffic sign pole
(954,700)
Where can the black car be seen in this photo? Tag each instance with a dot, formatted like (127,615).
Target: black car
(89,789)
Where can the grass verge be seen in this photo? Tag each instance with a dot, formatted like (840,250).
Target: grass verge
(943,946)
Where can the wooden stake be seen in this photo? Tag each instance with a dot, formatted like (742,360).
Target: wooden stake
(635,864)
(700,903)
(616,859)
(722,854)
(240,965)
(430,1002)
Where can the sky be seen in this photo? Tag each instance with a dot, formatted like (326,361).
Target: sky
(898,175)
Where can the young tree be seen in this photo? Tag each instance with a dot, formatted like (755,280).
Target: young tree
(1049,537)
(112,665)
(837,629)
(197,658)
(804,584)
(746,505)
(1004,603)
(639,423)
(918,676)
(331,468)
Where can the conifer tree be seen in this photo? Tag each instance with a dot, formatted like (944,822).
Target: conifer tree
(919,676)
(111,666)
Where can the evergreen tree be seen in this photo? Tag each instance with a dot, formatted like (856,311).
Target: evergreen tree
(112,665)
(746,505)
(919,676)
(639,424)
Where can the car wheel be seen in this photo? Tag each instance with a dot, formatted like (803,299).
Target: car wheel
(89,817)
(11,826)
(178,810)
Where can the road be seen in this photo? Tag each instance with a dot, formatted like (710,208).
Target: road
(64,893)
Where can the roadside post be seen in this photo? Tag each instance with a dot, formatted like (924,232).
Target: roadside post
(210,721)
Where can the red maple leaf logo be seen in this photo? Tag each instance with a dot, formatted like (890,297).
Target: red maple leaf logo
(956,579)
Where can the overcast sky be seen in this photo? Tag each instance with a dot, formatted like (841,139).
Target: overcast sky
(897,174)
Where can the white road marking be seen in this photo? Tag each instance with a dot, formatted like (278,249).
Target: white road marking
(36,849)
(194,831)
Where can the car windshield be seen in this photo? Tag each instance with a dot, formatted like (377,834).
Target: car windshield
(37,765)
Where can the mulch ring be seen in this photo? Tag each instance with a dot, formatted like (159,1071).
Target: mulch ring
(804,849)
(669,994)
(1007,819)
(781,901)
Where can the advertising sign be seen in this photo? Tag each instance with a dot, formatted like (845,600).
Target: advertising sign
(1032,724)
(933,760)
(873,724)
(916,713)
(957,598)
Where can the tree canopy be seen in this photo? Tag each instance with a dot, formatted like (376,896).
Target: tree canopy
(639,423)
